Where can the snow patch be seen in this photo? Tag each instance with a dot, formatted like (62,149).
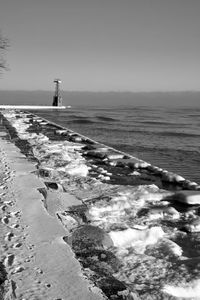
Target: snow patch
(130,237)
(191,290)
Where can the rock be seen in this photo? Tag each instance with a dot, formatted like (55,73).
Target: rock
(113,288)
(106,178)
(99,147)
(179,178)
(126,162)
(61,132)
(45,172)
(140,165)
(187,197)
(171,212)
(152,168)
(197,187)
(96,153)
(109,174)
(97,259)
(89,237)
(112,163)
(163,212)
(102,170)
(71,133)
(135,173)
(190,185)
(193,226)
(76,138)
(112,156)
(132,163)
(164,248)
(171,177)
(90,142)
(173,248)
(155,170)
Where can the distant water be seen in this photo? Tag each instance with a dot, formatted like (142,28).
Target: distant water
(166,137)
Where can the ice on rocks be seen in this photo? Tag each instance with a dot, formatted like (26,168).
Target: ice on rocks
(171,177)
(165,248)
(163,213)
(187,197)
(131,237)
(190,290)
(77,170)
(124,205)
(132,163)
(193,226)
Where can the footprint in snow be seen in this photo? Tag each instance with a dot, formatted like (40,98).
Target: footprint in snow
(9,260)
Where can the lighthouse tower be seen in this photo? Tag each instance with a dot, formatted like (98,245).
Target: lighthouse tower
(57,99)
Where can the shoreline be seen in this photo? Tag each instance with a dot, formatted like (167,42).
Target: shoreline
(31,107)
(33,258)
(102,207)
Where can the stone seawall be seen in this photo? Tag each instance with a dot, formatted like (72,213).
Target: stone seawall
(91,221)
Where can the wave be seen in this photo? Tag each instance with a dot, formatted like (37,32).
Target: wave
(177,134)
(107,119)
(160,123)
(78,116)
(146,131)
(152,149)
(81,121)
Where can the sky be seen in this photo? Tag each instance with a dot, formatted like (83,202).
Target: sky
(102,45)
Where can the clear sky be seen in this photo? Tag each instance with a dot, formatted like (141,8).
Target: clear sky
(102,45)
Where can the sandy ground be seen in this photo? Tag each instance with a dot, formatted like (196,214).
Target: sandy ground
(39,264)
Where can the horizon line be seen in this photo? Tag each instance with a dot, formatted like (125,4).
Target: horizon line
(99,91)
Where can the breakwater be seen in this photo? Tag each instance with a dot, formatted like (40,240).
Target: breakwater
(168,138)
(133,224)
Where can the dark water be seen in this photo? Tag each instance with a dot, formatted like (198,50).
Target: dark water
(166,137)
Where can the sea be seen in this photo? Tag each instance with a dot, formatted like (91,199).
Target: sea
(160,128)
(165,137)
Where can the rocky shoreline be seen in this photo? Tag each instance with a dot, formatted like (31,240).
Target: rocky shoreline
(130,228)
